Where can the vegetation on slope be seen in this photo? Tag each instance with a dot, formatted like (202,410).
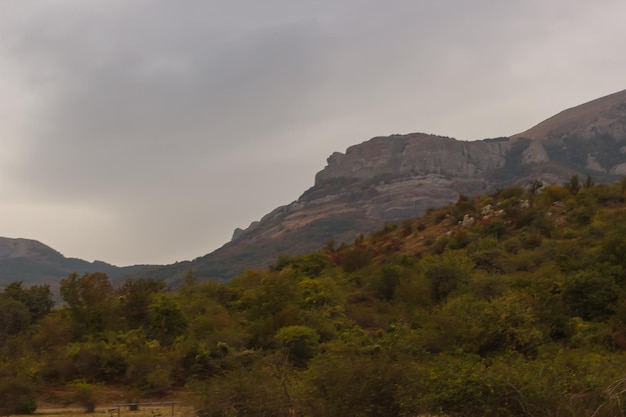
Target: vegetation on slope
(508,305)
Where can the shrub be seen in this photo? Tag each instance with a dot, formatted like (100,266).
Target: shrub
(446,272)
(300,342)
(17,395)
(83,394)
(590,295)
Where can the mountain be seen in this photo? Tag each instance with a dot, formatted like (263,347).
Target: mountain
(32,262)
(382,180)
(389,179)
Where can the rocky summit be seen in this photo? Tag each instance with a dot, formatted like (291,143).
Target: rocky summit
(389,179)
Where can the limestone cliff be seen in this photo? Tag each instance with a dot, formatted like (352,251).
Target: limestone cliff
(413,155)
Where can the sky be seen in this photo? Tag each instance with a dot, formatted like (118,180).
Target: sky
(146,131)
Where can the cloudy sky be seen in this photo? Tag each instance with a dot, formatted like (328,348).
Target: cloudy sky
(145,131)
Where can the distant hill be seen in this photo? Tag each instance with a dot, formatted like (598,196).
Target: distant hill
(32,262)
(388,179)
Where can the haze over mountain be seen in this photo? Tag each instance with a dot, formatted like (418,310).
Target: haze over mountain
(386,179)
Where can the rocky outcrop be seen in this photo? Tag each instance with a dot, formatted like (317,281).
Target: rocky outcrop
(414,155)
(535,153)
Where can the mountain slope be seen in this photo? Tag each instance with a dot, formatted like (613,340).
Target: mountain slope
(604,115)
(588,139)
(389,179)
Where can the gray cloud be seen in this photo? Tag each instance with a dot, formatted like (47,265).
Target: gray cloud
(146,131)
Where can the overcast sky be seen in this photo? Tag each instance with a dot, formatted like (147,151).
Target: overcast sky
(146,131)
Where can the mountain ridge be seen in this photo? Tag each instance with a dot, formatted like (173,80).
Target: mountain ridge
(33,262)
(21,248)
(594,113)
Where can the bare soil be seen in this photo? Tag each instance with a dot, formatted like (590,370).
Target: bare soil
(56,403)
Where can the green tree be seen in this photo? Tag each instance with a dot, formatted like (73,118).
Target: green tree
(446,272)
(369,384)
(533,188)
(387,280)
(301,343)
(269,302)
(83,394)
(37,298)
(18,395)
(590,295)
(14,317)
(90,301)
(573,185)
(135,298)
(167,320)
(311,265)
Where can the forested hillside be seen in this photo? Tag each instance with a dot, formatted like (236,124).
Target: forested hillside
(512,304)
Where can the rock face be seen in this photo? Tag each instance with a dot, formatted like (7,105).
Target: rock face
(414,155)
(389,179)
